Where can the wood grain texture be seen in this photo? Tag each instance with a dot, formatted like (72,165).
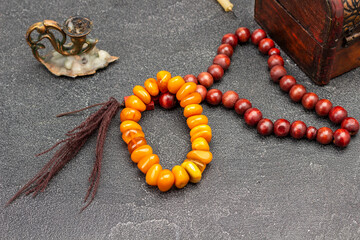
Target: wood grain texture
(346,59)
(308,12)
(312,33)
(297,43)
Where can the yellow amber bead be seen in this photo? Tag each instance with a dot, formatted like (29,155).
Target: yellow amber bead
(141,93)
(205,134)
(132,133)
(193,171)
(153,174)
(203,156)
(165,180)
(199,128)
(163,78)
(181,176)
(130,114)
(192,110)
(192,98)
(175,84)
(128,125)
(196,120)
(185,90)
(136,143)
(199,164)
(135,103)
(151,86)
(141,152)
(147,162)
(200,144)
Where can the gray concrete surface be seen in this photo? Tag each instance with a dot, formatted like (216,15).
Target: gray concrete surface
(255,188)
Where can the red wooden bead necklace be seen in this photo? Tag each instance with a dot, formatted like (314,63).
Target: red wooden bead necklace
(297,93)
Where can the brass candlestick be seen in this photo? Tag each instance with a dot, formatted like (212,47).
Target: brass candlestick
(78,58)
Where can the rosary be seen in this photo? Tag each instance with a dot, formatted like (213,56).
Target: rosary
(190,91)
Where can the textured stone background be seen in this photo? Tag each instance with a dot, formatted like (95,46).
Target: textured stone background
(256,187)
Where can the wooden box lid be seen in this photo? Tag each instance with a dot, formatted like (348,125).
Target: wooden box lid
(321,36)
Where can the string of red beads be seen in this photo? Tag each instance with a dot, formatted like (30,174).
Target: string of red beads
(278,74)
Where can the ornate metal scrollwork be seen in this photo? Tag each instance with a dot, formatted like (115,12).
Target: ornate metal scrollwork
(351,15)
(75,27)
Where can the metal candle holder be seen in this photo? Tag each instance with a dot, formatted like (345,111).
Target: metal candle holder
(76,28)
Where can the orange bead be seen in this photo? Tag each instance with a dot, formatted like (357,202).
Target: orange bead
(141,152)
(135,103)
(193,171)
(200,128)
(196,120)
(166,180)
(163,78)
(181,176)
(203,156)
(185,90)
(130,114)
(175,84)
(152,174)
(141,93)
(192,109)
(151,86)
(147,162)
(198,163)
(128,125)
(200,144)
(132,133)
(205,134)
(192,98)
(135,143)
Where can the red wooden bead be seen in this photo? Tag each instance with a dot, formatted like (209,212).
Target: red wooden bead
(205,79)
(243,34)
(202,90)
(155,99)
(311,133)
(309,100)
(298,129)
(167,100)
(257,36)
(190,78)
(226,49)
(281,127)
(265,45)
(341,138)
(297,92)
(324,135)
(222,60)
(242,105)
(337,114)
(274,51)
(287,82)
(275,60)
(229,99)
(323,107)
(277,72)
(216,71)
(265,127)
(230,38)
(252,116)
(350,124)
(214,96)
(150,106)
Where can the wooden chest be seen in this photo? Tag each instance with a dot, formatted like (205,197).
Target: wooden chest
(321,36)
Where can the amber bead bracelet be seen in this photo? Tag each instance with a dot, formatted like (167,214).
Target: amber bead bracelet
(200,132)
